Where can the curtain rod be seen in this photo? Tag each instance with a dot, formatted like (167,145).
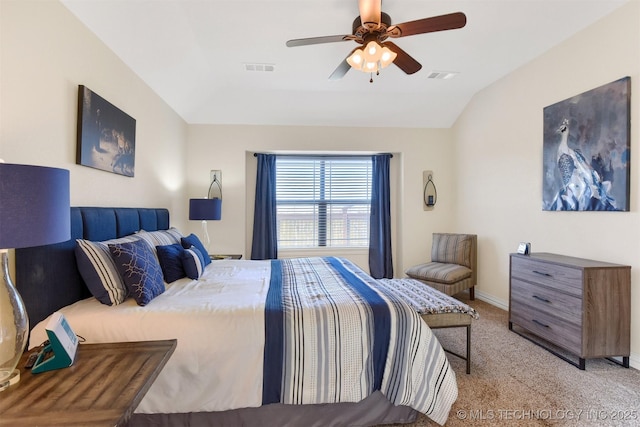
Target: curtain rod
(323,155)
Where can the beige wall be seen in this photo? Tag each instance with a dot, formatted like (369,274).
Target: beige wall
(499,160)
(231,148)
(45,54)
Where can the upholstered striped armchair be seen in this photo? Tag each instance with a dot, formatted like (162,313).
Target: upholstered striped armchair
(454,265)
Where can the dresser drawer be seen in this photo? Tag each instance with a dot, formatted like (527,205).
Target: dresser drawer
(547,300)
(560,277)
(564,334)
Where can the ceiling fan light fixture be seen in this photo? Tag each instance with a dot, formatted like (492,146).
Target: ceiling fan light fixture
(371,29)
(372,49)
(372,52)
(356,59)
(387,57)
(372,59)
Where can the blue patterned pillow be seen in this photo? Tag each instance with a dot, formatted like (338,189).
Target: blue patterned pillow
(139,269)
(170,257)
(192,240)
(193,262)
(99,272)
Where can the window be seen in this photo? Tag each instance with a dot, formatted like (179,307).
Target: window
(323,201)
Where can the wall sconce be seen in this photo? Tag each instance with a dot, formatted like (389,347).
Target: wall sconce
(429,192)
(209,209)
(216,178)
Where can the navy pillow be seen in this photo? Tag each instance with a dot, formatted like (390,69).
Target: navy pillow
(193,262)
(192,240)
(170,257)
(139,269)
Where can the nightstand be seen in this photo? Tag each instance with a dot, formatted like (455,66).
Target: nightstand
(102,388)
(215,257)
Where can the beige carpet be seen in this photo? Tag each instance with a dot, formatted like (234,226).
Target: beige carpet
(515,382)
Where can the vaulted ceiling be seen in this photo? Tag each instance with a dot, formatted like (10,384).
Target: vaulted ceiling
(197,55)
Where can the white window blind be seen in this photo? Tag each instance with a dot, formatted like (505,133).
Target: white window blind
(323,201)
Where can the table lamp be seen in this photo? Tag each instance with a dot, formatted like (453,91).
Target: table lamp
(207,209)
(34,211)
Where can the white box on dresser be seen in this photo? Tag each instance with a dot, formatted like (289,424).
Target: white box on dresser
(582,306)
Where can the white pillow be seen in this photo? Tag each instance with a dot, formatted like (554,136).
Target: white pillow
(160,237)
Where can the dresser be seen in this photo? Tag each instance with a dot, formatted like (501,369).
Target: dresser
(581,306)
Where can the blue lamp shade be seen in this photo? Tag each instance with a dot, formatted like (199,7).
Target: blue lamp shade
(205,209)
(34,211)
(34,206)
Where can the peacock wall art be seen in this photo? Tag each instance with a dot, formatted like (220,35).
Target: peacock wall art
(586,150)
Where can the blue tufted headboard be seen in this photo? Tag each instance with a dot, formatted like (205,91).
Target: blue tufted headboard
(47,276)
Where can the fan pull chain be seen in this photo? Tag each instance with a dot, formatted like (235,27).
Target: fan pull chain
(371,74)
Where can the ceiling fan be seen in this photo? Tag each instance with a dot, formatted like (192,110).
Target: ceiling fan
(372,29)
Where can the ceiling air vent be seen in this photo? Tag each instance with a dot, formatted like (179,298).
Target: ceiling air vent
(442,75)
(260,67)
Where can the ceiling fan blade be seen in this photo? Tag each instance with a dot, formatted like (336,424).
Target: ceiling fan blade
(450,21)
(404,61)
(318,40)
(370,11)
(342,69)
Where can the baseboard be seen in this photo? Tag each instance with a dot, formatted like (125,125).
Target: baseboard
(492,300)
(634,361)
(634,358)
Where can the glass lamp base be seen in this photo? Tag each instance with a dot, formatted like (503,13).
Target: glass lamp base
(12,378)
(14,323)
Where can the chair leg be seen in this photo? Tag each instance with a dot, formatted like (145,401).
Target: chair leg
(469,348)
(472,293)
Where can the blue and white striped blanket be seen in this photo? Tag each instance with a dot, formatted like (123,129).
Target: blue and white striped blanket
(333,336)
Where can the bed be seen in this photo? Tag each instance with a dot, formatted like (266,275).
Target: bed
(241,327)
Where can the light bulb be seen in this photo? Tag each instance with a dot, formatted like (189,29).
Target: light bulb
(387,57)
(372,52)
(356,59)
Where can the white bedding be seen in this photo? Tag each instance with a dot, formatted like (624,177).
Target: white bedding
(231,375)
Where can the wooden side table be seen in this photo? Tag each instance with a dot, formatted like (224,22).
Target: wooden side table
(215,257)
(102,388)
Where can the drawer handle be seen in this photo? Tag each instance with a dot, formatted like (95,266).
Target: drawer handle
(541,273)
(541,299)
(540,323)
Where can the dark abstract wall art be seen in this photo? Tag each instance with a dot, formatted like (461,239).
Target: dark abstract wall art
(106,135)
